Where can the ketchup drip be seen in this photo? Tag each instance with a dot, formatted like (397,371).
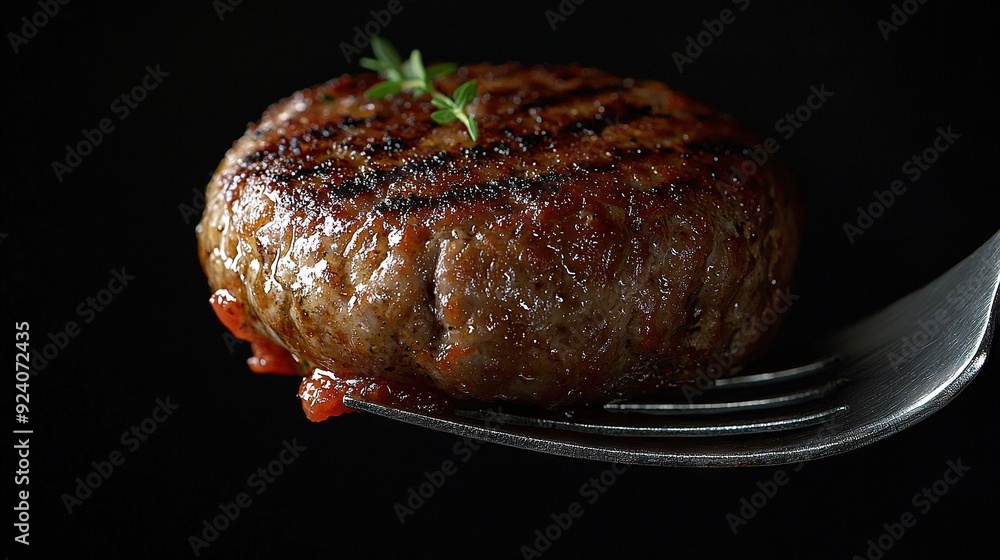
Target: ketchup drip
(323,393)
(268,356)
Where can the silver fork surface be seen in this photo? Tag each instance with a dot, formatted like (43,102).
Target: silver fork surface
(872,380)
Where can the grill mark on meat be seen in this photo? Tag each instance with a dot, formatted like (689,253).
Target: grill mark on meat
(536,187)
(618,112)
(577,94)
(350,188)
(476,156)
(371,180)
(311,186)
(597,123)
(255,157)
(348,121)
(486,190)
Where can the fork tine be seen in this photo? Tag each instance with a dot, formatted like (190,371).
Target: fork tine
(775,376)
(500,421)
(787,399)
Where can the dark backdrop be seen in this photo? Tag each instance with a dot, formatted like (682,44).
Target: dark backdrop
(125,205)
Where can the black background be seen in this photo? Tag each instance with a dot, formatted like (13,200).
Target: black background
(121,207)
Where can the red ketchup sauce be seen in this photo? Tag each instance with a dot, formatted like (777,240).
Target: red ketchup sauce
(268,356)
(322,392)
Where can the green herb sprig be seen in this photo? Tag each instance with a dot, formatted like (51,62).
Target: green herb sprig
(411,76)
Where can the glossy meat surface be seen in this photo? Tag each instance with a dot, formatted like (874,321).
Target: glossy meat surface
(591,245)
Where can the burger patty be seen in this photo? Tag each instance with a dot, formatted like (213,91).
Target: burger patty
(595,243)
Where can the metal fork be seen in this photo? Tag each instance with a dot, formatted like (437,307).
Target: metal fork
(872,380)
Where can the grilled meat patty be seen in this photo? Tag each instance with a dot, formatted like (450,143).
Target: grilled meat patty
(595,243)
